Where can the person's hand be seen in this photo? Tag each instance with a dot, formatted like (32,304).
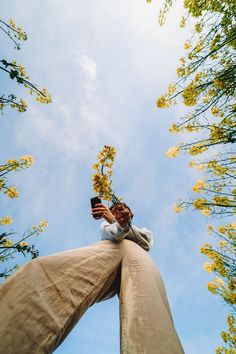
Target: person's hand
(122,215)
(101,211)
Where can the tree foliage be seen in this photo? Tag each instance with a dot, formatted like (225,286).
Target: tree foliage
(11,243)
(206,84)
(17,72)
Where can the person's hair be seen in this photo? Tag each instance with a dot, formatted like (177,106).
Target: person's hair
(125,205)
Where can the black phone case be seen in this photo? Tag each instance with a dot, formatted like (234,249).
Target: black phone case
(95,201)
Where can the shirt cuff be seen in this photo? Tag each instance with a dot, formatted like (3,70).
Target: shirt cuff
(123,229)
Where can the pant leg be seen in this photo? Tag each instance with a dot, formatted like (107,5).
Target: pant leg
(42,302)
(146,322)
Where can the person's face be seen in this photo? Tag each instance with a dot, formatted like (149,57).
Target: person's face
(117,209)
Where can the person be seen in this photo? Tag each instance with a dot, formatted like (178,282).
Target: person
(117,225)
(42,302)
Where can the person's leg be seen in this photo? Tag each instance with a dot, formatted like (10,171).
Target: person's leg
(146,322)
(41,303)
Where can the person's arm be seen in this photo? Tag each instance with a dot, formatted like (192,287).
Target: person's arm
(142,236)
(114,232)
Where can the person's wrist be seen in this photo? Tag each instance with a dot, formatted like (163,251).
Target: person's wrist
(123,227)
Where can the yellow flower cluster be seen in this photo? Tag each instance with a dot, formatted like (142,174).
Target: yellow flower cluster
(197,149)
(215,110)
(199,166)
(217,133)
(178,208)
(217,169)
(187,45)
(21,107)
(174,128)
(11,192)
(201,204)
(19,33)
(163,102)
(190,94)
(7,243)
(101,179)
(27,161)
(45,97)
(216,257)
(23,244)
(182,22)
(221,200)
(173,152)
(40,227)
(200,184)
(212,287)
(229,231)
(22,71)
(6,221)
(218,83)
(208,267)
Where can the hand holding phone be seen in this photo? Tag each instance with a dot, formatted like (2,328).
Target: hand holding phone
(94,201)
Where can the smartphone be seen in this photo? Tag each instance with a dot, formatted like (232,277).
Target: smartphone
(94,201)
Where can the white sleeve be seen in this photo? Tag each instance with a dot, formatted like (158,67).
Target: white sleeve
(114,232)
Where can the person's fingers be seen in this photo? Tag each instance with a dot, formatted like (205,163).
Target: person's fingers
(98,209)
(100,205)
(98,213)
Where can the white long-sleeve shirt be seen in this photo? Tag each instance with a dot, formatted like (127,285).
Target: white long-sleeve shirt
(114,232)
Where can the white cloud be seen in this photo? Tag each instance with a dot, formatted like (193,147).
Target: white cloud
(87,65)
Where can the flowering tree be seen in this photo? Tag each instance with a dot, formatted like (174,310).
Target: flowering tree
(206,83)
(10,242)
(17,72)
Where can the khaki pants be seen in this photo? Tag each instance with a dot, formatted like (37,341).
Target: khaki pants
(42,301)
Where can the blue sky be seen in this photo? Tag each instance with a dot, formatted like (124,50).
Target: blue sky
(105,64)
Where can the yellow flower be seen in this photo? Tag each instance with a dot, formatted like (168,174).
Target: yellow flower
(200,167)
(178,208)
(6,221)
(22,70)
(23,244)
(173,152)
(199,203)
(208,267)
(12,192)
(183,22)
(221,200)
(206,211)
(222,229)
(40,227)
(22,107)
(187,45)
(12,23)
(197,149)
(163,102)
(27,160)
(7,243)
(200,184)
(174,129)
(215,110)
(14,164)
(171,89)
(190,94)
(210,228)
(222,244)
(233,225)
(45,97)
(212,287)
(219,281)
